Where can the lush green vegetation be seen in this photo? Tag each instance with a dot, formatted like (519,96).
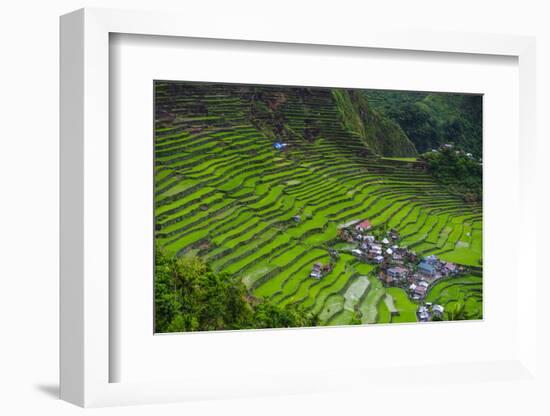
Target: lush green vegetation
(405,307)
(380,134)
(189,296)
(245,218)
(462,297)
(459,172)
(432,119)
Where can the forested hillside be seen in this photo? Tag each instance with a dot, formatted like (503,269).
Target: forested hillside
(380,134)
(432,119)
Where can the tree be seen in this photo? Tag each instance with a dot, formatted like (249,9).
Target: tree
(460,173)
(457,312)
(189,296)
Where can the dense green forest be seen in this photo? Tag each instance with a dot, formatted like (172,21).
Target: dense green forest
(380,134)
(432,119)
(189,296)
(458,171)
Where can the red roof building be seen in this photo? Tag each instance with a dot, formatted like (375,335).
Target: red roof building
(363,225)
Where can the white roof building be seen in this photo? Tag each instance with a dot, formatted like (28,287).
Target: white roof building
(438,309)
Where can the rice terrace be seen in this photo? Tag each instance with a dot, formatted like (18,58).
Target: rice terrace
(280,206)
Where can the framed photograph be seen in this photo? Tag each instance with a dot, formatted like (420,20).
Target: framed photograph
(334,204)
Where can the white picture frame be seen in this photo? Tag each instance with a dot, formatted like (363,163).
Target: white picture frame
(85,352)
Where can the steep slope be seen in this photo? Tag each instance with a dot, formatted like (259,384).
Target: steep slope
(379,133)
(459,119)
(295,114)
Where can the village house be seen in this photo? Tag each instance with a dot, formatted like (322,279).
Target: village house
(375,250)
(316,271)
(429,311)
(393,234)
(369,238)
(397,258)
(432,259)
(423,314)
(450,268)
(333,254)
(426,268)
(437,311)
(414,278)
(363,226)
(325,268)
(397,273)
(419,291)
(376,247)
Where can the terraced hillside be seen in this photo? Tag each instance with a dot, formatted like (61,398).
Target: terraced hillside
(224,192)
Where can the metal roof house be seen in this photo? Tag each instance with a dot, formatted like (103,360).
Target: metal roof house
(426,268)
(423,314)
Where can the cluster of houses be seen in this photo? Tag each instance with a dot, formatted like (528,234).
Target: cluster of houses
(372,250)
(398,266)
(417,278)
(429,312)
